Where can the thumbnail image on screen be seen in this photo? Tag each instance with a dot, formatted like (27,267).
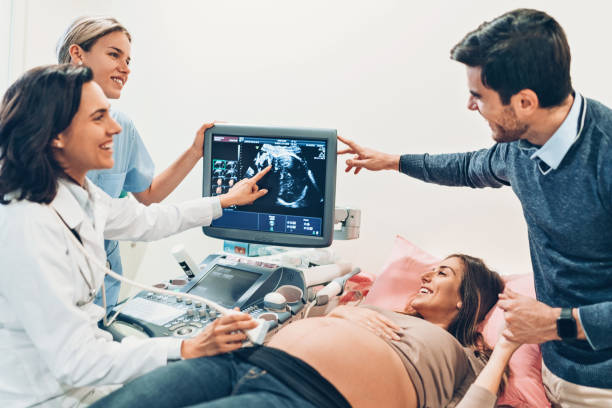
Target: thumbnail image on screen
(295,183)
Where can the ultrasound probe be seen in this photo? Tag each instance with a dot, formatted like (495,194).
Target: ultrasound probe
(334,288)
(186,262)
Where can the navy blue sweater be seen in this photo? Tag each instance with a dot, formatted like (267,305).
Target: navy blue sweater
(569,220)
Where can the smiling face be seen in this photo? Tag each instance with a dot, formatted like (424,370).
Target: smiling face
(438,300)
(87,143)
(109,59)
(502,119)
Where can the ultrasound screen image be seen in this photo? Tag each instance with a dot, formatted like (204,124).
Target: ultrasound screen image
(295,183)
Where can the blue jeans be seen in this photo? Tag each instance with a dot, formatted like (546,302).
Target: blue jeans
(222,381)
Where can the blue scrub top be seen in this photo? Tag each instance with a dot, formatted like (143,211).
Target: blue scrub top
(133,171)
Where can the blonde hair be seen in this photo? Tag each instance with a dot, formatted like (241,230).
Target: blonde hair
(84,32)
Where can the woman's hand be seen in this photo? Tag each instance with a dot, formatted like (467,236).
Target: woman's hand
(506,347)
(366,158)
(245,191)
(369,320)
(222,336)
(198,143)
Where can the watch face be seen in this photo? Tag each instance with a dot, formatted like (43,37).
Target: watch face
(566,326)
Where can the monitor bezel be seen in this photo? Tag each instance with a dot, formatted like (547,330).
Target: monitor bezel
(276,238)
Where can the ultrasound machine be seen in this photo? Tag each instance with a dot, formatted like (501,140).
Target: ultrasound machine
(298,211)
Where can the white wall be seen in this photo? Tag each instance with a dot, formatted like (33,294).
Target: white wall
(5,41)
(378,71)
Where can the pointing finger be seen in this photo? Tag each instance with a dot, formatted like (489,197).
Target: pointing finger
(348,142)
(259,175)
(346,151)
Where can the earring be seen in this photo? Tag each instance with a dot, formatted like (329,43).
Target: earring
(80,63)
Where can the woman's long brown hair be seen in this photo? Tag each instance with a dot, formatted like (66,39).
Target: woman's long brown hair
(479,293)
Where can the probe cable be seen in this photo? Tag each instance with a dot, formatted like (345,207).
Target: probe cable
(255,335)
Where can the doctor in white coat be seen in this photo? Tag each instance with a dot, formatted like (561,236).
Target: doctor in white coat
(54,127)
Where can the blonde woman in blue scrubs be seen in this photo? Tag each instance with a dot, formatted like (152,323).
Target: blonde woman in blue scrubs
(104,45)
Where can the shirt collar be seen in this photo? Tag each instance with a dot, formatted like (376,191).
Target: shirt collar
(73,202)
(555,149)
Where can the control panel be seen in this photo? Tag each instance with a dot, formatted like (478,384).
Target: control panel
(228,280)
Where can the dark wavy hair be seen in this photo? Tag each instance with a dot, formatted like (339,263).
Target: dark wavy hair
(521,49)
(478,292)
(35,109)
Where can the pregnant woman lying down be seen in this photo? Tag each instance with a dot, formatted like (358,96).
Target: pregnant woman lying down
(428,356)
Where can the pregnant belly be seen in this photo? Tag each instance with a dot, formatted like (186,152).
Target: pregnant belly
(362,366)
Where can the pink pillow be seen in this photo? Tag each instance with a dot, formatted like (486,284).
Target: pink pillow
(399,281)
(400,277)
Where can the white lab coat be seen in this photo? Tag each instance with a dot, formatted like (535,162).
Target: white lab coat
(51,350)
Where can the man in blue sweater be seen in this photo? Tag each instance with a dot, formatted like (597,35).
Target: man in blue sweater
(554,149)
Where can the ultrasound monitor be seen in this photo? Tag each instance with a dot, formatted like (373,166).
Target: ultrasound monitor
(298,208)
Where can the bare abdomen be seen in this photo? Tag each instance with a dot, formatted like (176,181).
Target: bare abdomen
(361,365)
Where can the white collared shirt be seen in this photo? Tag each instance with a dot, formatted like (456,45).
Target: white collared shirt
(555,149)
(49,345)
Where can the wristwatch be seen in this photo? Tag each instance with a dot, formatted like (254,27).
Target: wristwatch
(566,324)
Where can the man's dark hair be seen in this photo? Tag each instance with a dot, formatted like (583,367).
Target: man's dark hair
(521,49)
(35,109)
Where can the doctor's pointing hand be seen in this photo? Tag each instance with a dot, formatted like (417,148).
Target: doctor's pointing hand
(245,191)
